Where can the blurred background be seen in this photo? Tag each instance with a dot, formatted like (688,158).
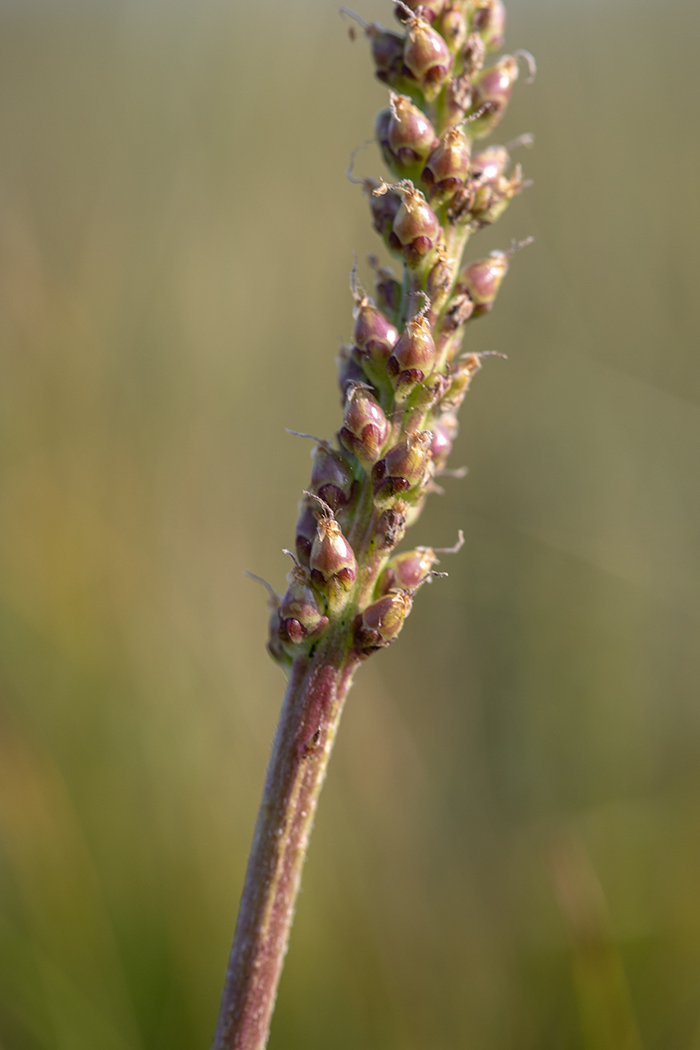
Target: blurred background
(507,853)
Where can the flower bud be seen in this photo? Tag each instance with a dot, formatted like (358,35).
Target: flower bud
(444,431)
(407,570)
(489,164)
(460,310)
(380,623)
(447,166)
(365,427)
(387,52)
(403,468)
(427,56)
(459,378)
(413,357)
(333,563)
(492,198)
(408,136)
(482,279)
(416,228)
(429,10)
(453,27)
(349,368)
(387,289)
(439,281)
(490,22)
(300,615)
(493,89)
(332,477)
(375,337)
(391,526)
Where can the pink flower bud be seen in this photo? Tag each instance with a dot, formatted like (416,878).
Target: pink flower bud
(407,570)
(482,279)
(374,335)
(490,22)
(365,427)
(403,468)
(332,477)
(333,564)
(447,166)
(490,164)
(493,89)
(300,615)
(409,135)
(416,228)
(427,56)
(384,210)
(380,623)
(305,532)
(413,357)
(387,52)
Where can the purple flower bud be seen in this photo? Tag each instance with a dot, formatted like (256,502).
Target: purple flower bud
(489,164)
(349,368)
(493,89)
(300,615)
(406,137)
(444,431)
(333,564)
(407,570)
(332,477)
(380,623)
(447,166)
(416,228)
(413,357)
(459,378)
(387,52)
(490,22)
(453,27)
(403,468)
(365,427)
(482,279)
(374,335)
(427,56)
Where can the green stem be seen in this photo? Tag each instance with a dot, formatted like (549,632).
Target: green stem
(310,715)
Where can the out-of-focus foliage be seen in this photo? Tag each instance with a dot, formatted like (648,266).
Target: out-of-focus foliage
(507,854)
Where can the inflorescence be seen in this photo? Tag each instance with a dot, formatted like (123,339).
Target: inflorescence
(402,377)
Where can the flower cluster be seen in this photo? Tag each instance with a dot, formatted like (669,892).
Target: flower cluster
(402,377)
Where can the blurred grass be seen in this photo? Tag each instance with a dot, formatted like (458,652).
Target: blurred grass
(176,235)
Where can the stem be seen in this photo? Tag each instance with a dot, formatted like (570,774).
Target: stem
(308,722)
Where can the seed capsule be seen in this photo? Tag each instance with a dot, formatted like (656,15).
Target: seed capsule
(416,228)
(429,10)
(492,199)
(447,166)
(384,208)
(332,477)
(403,468)
(409,136)
(380,623)
(444,431)
(413,357)
(473,55)
(439,281)
(299,612)
(387,52)
(305,532)
(490,22)
(489,164)
(387,289)
(427,56)
(482,279)
(365,427)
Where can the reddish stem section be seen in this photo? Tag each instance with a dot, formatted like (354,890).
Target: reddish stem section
(310,714)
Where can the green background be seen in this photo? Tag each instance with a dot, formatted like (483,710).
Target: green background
(507,853)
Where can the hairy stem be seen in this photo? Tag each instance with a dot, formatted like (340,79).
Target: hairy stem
(310,714)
